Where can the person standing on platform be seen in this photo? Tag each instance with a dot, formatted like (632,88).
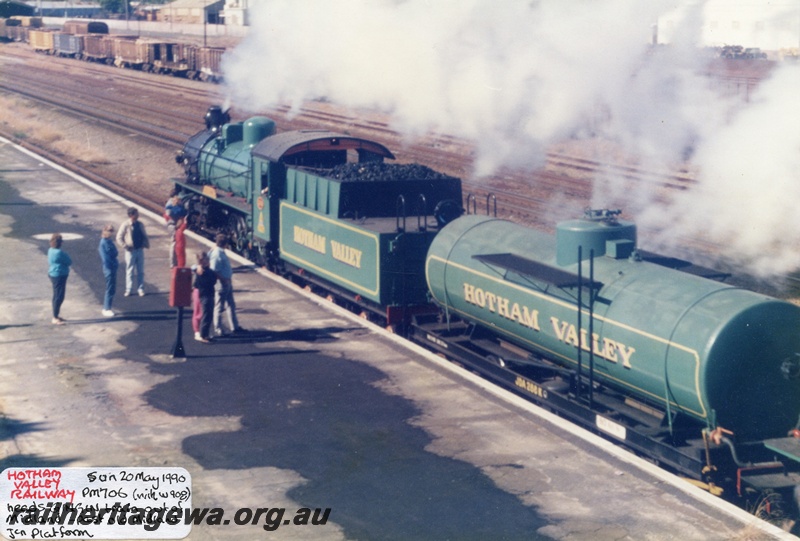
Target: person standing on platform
(58,272)
(133,238)
(180,242)
(223,300)
(204,281)
(173,212)
(108,255)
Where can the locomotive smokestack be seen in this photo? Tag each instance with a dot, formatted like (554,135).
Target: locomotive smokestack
(216,117)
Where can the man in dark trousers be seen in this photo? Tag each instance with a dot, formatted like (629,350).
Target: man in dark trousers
(204,281)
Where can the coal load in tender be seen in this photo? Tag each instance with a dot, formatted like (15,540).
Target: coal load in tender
(383,172)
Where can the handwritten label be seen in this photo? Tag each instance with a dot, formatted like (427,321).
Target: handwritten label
(99,503)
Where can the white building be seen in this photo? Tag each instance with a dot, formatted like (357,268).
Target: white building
(236,12)
(769,25)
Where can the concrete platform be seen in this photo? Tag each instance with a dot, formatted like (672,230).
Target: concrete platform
(311,408)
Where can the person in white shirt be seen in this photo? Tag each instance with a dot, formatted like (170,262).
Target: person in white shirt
(223,297)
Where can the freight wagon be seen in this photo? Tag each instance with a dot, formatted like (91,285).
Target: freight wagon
(41,40)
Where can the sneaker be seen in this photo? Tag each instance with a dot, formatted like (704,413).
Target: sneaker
(57,321)
(239,330)
(218,332)
(108,313)
(197,336)
(141,292)
(127,293)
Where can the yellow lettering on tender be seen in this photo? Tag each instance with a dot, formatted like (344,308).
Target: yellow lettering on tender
(309,239)
(346,254)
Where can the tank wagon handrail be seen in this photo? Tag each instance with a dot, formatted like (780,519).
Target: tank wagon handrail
(471,199)
(422,214)
(579,303)
(400,210)
(493,198)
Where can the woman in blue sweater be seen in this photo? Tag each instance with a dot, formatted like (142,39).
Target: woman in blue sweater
(108,254)
(59,262)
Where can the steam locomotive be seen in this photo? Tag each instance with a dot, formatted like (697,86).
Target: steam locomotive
(652,352)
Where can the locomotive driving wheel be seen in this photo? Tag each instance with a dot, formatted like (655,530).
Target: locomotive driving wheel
(237,228)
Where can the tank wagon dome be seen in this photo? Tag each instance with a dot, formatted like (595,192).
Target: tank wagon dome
(690,346)
(600,232)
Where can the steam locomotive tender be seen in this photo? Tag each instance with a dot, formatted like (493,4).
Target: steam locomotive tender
(320,207)
(698,376)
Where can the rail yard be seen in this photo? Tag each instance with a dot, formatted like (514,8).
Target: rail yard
(152,117)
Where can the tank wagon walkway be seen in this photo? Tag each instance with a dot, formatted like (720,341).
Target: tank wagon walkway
(308,409)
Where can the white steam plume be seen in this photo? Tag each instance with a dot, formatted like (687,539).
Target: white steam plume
(513,76)
(517,76)
(749,182)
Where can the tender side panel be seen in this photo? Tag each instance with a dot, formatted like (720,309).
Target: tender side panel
(337,251)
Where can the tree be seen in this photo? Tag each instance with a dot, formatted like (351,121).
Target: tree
(115,6)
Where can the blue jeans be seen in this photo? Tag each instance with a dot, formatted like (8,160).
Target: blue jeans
(223,302)
(111,288)
(134,264)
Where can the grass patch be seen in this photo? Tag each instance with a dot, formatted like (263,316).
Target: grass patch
(62,134)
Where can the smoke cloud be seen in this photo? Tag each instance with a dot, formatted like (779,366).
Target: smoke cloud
(516,77)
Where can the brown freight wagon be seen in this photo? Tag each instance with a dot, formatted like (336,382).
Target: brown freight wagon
(30,22)
(41,40)
(18,33)
(174,58)
(98,48)
(5,29)
(85,27)
(209,62)
(135,53)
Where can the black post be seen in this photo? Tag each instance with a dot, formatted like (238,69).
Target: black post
(591,328)
(177,349)
(580,308)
